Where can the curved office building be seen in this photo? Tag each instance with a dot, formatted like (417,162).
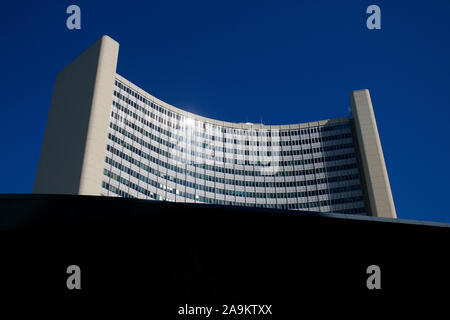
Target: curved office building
(157,151)
(106,136)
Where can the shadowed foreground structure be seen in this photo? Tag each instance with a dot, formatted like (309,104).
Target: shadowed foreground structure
(162,255)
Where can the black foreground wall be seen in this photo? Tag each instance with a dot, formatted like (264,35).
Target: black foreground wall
(160,256)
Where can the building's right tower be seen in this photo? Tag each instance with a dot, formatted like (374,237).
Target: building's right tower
(378,188)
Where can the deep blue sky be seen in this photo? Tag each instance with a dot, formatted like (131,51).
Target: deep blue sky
(273,61)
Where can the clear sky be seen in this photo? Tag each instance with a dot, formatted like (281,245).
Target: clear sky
(278,62)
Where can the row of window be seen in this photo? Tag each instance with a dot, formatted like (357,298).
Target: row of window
(293,206)
(151,195)
(227,191)
(246,152)
(228,151)
(236,182)
(193,154)
(261,184)
(140,153)
(185,137)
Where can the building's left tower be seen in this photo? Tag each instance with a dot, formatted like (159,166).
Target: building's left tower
(73,151)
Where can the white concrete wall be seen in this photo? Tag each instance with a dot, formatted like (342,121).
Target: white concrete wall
(372,158)
(73,150)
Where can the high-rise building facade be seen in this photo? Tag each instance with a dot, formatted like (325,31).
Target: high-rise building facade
(106,136)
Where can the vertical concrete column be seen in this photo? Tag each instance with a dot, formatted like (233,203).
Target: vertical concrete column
(73,151)
(372,158)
